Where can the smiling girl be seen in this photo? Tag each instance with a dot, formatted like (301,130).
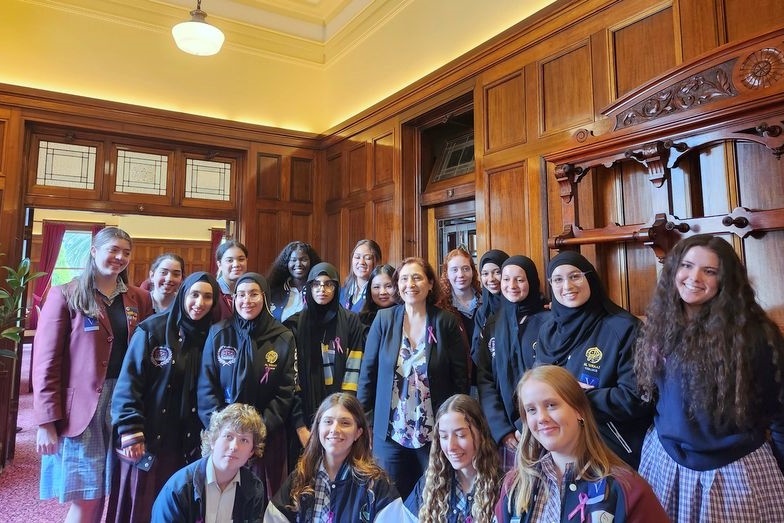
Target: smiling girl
(713,361)
(336,479)
(154,401)
(564,471)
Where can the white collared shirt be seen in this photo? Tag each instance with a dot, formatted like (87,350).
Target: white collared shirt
(219,504)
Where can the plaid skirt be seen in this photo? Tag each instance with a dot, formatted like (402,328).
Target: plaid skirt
(82,466)
(750,489)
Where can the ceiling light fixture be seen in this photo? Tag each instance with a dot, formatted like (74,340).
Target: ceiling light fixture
(196,36)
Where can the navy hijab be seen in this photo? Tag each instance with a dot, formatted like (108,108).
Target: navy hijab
(490,301)
(532,303)
(571,326)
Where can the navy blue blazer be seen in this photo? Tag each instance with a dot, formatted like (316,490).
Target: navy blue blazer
(447,367)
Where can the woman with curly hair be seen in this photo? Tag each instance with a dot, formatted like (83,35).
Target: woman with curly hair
(462,480)
(287,277)
(336,478)
(565,472)
(415,359)
(713,361)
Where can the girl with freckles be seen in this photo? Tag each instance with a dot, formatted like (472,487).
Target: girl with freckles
(564,471)
(462,481)
(713,362)
(336,479)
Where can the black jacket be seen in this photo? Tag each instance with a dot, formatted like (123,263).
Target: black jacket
(182,499)
(447,367)
(269,385)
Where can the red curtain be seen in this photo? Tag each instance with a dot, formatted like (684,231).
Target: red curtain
(53,233)
(216,238)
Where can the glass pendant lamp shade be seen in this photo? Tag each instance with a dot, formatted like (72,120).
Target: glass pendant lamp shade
(196,36)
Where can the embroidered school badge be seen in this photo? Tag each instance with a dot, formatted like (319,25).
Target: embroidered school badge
(593,355)
(271,356)
(161,356)
(227,355)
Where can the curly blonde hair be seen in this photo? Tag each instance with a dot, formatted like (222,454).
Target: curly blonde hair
(240,417)
(439,477)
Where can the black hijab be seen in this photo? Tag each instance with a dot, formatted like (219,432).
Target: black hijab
(189,335)
(322,314)
(571,326)
(532,303)
(490,301)
(253,333)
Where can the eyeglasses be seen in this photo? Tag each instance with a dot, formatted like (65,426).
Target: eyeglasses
(326,285)
(574,277)
(250,296)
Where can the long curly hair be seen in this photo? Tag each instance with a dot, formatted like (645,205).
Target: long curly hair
(594,459)
(720,350)
(436,296)
(364,468)
(278,272)
(439,476)
(476,285)
(239,417)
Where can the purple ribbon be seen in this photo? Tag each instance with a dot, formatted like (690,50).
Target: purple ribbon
(431,336)
(265,378)
(583,497)
(337,345)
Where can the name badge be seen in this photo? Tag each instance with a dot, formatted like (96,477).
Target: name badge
(91,324)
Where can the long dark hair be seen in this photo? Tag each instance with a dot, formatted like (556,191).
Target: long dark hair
(360,459)
(370,308)
(351,279)
(721,350)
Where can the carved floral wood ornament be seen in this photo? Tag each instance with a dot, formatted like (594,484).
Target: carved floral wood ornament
(735,92)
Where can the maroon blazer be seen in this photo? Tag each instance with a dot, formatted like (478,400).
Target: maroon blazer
(70,358)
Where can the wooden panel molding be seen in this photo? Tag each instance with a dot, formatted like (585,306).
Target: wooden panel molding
(565,90)
(269,171)
(505,117)
(302,179)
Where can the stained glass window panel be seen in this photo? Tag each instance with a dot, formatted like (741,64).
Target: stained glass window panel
(207,180)
(143,173)
(66,165)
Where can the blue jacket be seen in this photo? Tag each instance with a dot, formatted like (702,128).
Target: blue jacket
(182,499)
(350,500)
(505,353)
(447,366)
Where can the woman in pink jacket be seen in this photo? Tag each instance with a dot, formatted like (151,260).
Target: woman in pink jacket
(82,336)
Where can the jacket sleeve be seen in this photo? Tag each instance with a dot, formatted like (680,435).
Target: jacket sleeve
(621,401)
(51,343)
(168,506)
(279,407)
(276,509)
(366,389)
(489,396)
(128,412)
(354,346)
(640,503)
(208,389)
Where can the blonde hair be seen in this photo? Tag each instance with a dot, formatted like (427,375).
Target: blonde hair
(240,417)
(594,459)
(439,476)
(80,293)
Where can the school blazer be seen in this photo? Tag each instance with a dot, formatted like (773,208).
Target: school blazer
(70,360)
(447,367)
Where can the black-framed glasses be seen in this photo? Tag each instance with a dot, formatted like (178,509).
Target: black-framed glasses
(328,285)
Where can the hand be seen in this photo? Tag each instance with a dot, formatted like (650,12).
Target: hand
(46,439)
(304,435)
(511,440)
(134,452)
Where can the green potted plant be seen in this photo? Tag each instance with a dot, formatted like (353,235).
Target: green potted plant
(12,314)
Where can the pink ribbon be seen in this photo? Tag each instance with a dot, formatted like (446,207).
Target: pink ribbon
(583,497)
(265,378)
(337,345)
(431,336)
